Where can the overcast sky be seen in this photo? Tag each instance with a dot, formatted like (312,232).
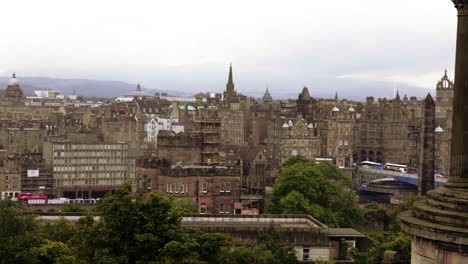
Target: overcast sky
(189,44)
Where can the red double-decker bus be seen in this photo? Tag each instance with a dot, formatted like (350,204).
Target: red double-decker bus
(28,196)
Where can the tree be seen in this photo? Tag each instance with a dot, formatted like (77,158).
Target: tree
(53,252)
(18,235)
(399,242)
(136,230)
(406,205)
(320,190)
(60,230)
(183,206)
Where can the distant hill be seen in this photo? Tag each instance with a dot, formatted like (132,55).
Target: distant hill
(323,87)
(83,87)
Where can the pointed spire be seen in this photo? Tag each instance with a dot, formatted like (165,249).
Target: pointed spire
(267,96)
(13,75)
(397,96)
(230,83)
(445,73)
(138,87)
(405,97)
(429,99)
(304,94)
(336,95)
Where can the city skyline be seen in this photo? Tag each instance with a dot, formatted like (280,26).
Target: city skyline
(186,46)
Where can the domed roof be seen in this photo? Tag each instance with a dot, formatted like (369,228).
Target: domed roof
(335,109)
(13,80)
(285,125)
(311,125)
(351,109)
(439,130)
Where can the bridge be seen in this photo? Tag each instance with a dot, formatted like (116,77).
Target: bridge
(384,184)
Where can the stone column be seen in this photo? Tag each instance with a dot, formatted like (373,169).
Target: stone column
(439,224)
(459,150)
(427,148)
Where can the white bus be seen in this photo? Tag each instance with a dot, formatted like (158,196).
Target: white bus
(396,167)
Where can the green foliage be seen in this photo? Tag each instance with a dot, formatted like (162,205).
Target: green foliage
(281,253)
(181,206)
(131,230)
(399,242)
(320,190)
(376,216)
(295,159)
(73,208)
(61,230)
(17,235)
(136,230)
(249,254)
(406,205)
(53,252)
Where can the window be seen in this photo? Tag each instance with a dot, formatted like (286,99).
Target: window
(228,187)
(227,208)
(221,209)
(205,187)
(222,188)
(182,188)
(305,254)
(203,208)
(170,188)
(177,186)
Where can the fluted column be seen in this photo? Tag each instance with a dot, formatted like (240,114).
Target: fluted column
(459,151)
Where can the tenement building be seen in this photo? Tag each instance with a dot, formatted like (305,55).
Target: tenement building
(439,224)
(214,189)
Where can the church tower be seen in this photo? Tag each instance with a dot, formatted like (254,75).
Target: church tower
(267,97)
(230,92)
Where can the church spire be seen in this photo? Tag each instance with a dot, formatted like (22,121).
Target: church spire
(230,83)
(267,96)
(336,95)
(397,97)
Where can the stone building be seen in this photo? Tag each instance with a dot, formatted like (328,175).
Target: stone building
(255,174)
(182,147)
(13,91)
(10,177)
(36,177)
(235,113)
(214,189)
(155,124)
(311,239)
(444,107)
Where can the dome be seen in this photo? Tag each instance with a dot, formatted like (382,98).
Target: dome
(13,80)
(311,125)
(335,109)
(285,125)
(351,109)
(439,130)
